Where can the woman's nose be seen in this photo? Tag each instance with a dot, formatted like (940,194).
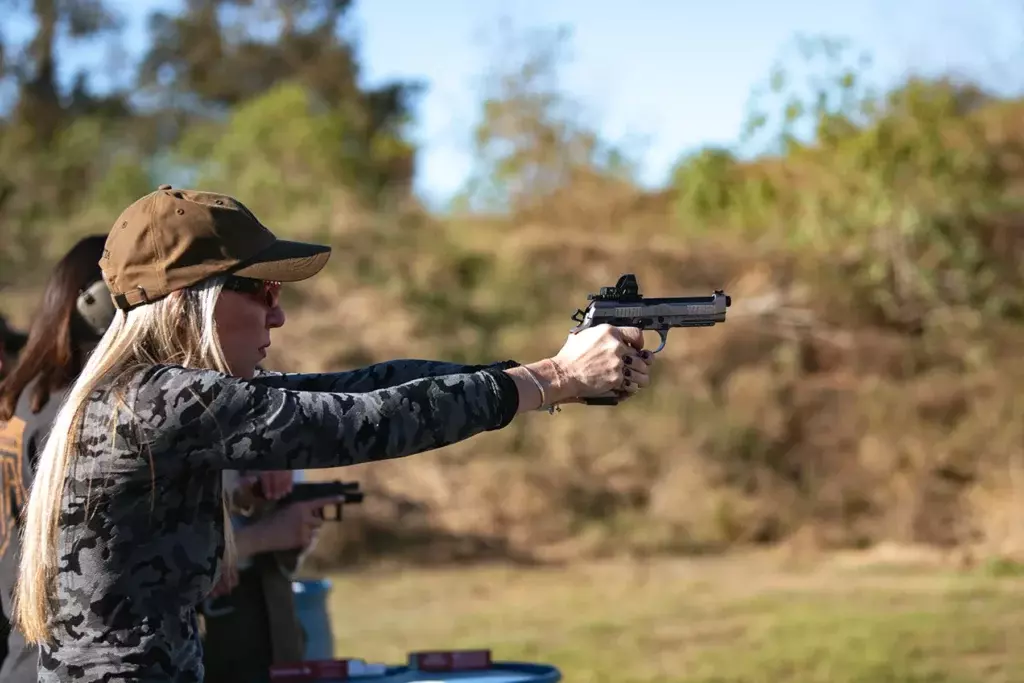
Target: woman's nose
(275,317)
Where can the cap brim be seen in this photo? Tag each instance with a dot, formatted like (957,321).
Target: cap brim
(286,261)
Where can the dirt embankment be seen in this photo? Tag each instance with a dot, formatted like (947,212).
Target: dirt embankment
(795,422)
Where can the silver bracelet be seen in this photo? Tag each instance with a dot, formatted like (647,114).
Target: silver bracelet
(543,399)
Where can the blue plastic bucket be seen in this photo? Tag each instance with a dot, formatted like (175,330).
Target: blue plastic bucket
(499,672)
(311,606)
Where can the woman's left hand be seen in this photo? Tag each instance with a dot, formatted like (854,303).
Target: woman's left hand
(274,484)
(636,373)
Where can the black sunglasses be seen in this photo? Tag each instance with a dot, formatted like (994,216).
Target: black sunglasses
(265,290)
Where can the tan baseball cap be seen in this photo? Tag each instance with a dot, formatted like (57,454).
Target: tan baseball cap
(171,239)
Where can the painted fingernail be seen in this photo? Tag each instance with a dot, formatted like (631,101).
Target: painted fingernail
(628,360)
(626,373)
(626,383)
(646,355)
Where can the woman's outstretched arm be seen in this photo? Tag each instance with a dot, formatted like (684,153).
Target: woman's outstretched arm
(372,377)
(213,420)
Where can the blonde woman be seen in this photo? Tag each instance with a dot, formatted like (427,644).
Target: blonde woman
(125,525)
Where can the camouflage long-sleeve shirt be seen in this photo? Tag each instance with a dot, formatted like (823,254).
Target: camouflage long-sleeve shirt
(141,529)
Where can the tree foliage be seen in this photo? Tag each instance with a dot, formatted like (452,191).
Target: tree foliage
(262,93)
(908,184)
(532,142)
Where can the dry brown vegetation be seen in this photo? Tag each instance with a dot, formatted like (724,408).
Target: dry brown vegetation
(793,421)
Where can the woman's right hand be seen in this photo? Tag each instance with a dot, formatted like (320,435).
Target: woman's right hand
(293,526)
(604,358)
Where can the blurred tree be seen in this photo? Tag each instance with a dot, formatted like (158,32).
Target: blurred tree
(57,135)
(41,108)
(219,73)
(219,54)
(706,182)
(302,149)
(532,144)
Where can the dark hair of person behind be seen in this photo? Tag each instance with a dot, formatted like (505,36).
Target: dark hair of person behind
(54,351)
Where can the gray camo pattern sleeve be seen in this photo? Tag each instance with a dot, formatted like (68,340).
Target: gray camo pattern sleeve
(373,377)
(255,425)
(141,530)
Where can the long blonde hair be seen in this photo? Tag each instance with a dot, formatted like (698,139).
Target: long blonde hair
(178,330)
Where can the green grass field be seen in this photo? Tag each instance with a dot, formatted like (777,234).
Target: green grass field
(698,621)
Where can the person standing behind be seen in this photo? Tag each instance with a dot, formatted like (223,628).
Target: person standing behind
(253,623)
(75,311)
(11,342)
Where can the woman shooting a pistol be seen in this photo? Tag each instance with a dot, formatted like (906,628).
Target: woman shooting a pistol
(125,528)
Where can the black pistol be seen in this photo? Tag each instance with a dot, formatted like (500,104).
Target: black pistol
(311,490)
(624,306)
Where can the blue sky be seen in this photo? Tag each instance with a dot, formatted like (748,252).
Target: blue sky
(677,74)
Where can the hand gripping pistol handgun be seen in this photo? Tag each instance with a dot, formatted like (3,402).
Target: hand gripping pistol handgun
(347,493)
(624,306)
